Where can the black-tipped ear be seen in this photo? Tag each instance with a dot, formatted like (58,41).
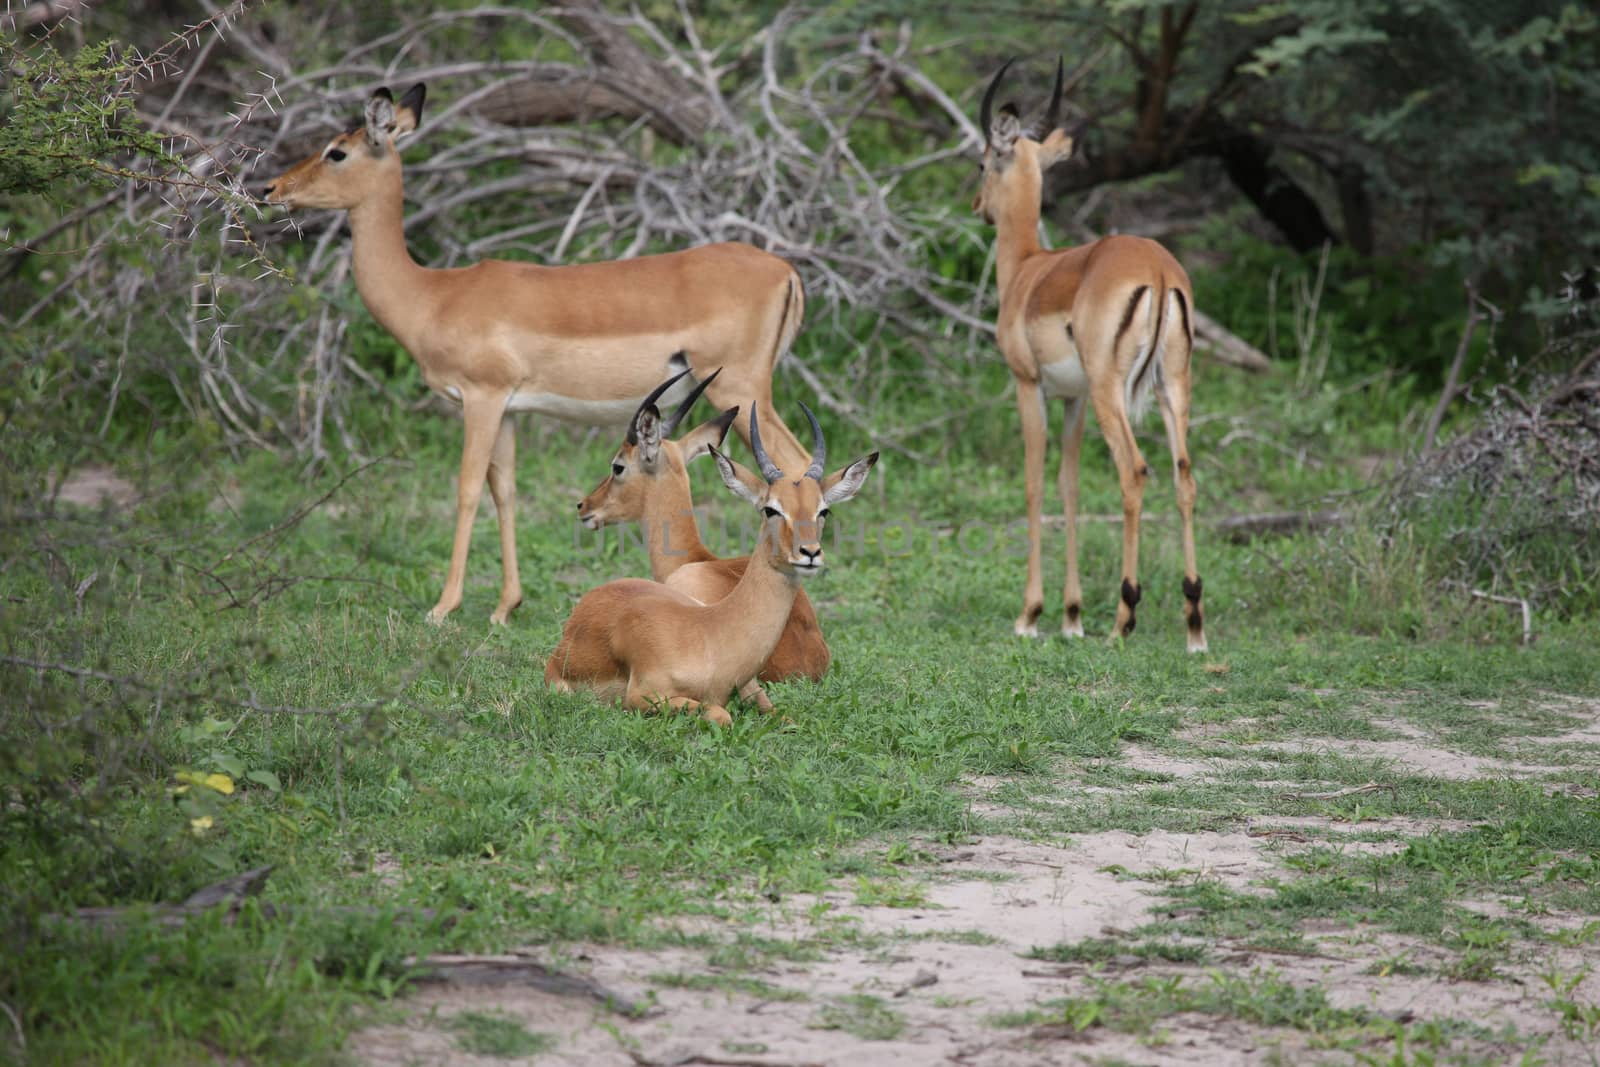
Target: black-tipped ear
(413,100)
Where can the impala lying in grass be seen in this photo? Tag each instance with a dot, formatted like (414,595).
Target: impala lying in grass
(649,484)
(656,646)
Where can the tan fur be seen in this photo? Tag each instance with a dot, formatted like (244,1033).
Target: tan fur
(584,341)
(1091,290)
(658,647)
(657,494)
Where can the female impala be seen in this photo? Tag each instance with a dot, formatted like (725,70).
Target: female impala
(580,342)
(653,645)
(649,484)
(1107,323)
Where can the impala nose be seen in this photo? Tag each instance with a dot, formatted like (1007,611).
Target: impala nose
(810,555)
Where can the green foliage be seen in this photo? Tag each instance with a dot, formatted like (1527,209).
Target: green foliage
(69,120)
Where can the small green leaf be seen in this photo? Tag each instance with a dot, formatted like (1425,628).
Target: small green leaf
(266,778)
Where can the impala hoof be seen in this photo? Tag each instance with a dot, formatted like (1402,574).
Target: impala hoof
(1025,629)
(1197,644)
(436,616)
(1072,630)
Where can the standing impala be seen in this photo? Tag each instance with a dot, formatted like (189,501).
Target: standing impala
(581,342)
(1107,323)
(654,646)
(649,484)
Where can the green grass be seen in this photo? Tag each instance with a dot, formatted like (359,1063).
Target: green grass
(485,1034)
(866,1017)
(421,770)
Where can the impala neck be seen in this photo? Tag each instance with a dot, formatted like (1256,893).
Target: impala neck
(748,621)
(388,279)
(1017,224)
(670,530)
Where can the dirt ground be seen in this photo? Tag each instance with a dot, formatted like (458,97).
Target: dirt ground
(931,983)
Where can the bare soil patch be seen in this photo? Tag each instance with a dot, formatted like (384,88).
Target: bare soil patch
(95,487)
(926,984)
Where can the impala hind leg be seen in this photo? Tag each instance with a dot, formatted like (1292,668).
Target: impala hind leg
(481,414)
(503,488)
(1030,406)
(1174,396)
(1067,485)
(1132,471)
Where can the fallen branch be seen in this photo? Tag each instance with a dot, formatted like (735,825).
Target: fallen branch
(470,970)
(230,893)
(1227,347)
(1241,528)
(1512,601)
(1356,790)
(685,1058)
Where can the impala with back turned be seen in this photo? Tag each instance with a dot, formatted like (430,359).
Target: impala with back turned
(1106,324)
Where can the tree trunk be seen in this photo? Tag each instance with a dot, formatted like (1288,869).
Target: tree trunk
(1282,202)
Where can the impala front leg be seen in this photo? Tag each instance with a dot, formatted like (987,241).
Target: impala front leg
(503,488)
(481,413)
(1030,405)
(753,692)
(643,698)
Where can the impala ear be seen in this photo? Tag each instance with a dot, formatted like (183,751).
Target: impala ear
(708,435)
(1057,146)
(647,427)
(408,116)
(1003,133)
(380,117)
(741,482)
(845,483)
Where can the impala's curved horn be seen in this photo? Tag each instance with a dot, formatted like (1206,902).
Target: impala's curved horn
(819,451)
(649,401)
(986,112)
(769,470)
(1053,116)
(688,403)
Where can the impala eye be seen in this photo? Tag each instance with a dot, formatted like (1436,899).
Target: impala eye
(617,469)
(335,154)
(772,512)
(822,514)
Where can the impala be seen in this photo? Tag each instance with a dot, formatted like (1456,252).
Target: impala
(649,484)
(656,646)
(582,343)
(1107,324)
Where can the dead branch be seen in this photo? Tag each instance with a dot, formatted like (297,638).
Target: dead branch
(230,893)
(1353,791)
(1453,376)
(1227,347)
(477,970)
(1242,528)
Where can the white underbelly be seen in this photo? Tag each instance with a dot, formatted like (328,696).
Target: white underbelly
(1064,377)
(609,412)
